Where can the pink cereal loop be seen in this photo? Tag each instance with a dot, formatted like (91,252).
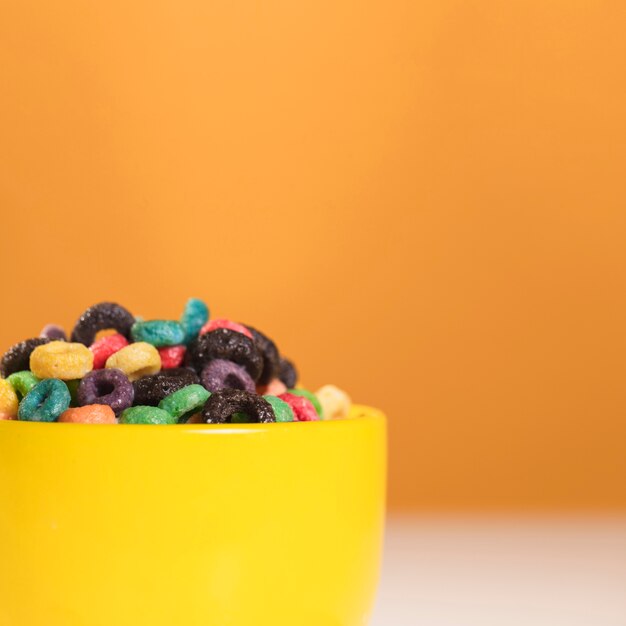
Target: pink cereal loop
(224,323)
(275,387)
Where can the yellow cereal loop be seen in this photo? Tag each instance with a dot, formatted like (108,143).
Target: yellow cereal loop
(8,400)
(335,402)
(136,360)
(61,359)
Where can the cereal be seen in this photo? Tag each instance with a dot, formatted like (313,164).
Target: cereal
(107,386)
(150,390)
(23,382)
(222,374)
(99,317)
(224,403)
(185,401)
(274,388)
(269,354)
(146,415)
(9,402)
(172,356)
(240,418)
(45,401)
(196,418)
(282,411)
(106,346)
(287,373)
(61,359)
(17,357)
(194,317)
(302,407)
(136,360)
(334,401)
(73,385)
(157,372)
(53,332)
(224,323)
(312,398)
(229,345)
(89,414)
(159,333)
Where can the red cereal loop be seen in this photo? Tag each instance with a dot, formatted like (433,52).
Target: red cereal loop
(302,408)
(172,356)
(224,323)
(104,347)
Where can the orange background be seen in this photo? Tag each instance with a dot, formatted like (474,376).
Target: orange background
(423,202)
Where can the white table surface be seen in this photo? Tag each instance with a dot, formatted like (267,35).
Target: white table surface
(504,571)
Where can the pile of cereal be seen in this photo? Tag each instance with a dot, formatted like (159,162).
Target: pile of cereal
(116,368)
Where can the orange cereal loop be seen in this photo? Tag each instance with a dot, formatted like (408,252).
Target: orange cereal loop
(61,359)
(89,414)
(136,360)
(274,388)
(196,418)
(105,332)
(9,401)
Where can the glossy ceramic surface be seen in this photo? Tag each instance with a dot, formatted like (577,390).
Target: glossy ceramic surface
(233,525)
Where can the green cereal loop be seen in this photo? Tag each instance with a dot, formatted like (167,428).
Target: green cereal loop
(311,397)
(146,415)
(159,333)
(72,385)
(189,399)
(23,382)
(45,401)
(282,411)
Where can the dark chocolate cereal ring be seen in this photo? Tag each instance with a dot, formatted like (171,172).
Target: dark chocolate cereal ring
(150,390)
(107,386)
(101,316)
(17,357)
(222,374)
(269,354)
(229,345)
(287,373)
(224,403)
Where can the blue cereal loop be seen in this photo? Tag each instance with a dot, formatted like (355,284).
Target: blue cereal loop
(45,401)
(159,333)
(194,317)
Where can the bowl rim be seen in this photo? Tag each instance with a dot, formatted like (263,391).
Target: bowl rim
(359,414)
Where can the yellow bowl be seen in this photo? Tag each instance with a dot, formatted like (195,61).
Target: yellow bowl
(195,525)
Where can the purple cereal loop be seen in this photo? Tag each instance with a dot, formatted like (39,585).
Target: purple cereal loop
(107,386)
(222,374)
(54,332)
